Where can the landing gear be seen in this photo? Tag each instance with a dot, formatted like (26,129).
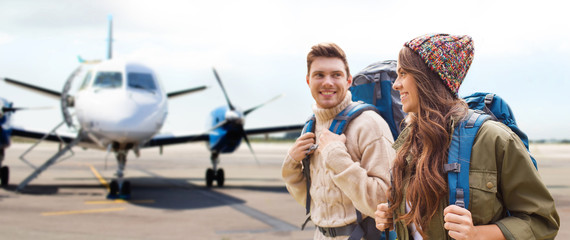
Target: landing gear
(215,173)
(210,175)
(4,175)
(4,171)
(120,189)
(220,177)
(117,191)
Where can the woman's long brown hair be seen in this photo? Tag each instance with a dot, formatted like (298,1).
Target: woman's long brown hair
(419,162)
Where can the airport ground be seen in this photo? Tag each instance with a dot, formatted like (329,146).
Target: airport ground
(169,198)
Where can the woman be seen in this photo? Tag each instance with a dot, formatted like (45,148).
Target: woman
(508,202)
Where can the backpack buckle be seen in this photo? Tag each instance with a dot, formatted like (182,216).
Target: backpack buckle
(452,167)
(459,196)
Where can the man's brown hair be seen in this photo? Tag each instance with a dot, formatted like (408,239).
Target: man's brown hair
(329,50)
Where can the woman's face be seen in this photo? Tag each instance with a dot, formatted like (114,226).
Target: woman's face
(406,84)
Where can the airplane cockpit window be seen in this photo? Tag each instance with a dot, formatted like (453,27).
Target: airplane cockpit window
(141,81)
(86,80)
(108,80)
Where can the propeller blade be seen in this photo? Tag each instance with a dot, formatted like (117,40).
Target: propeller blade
(246,112)
(14,109)
(250,148)
(218,125)
(223,89)
(9,109)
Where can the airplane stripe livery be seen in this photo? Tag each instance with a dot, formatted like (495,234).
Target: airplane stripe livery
(121,106)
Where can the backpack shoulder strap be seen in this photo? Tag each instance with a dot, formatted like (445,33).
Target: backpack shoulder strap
(459,157)
(338,126)
(309,125)
(353,110)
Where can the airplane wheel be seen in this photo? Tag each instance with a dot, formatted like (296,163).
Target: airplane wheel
(113,188)
(210,177)
(126,189)
(4,175)
(220,177)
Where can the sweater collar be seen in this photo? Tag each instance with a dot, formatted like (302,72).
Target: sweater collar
(326,114)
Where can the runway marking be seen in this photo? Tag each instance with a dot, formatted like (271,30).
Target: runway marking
(83,211)
(101,179)
(119,201)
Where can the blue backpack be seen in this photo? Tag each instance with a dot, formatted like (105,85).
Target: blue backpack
(483,107)
(365,228)
(373,85)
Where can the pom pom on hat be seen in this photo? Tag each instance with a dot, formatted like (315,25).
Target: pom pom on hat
(448,55)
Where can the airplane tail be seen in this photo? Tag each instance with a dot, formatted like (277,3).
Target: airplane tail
(110,38)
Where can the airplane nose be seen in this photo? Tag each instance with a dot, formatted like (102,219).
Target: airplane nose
(130,115)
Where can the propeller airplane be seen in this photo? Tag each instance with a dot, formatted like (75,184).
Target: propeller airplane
(121,106)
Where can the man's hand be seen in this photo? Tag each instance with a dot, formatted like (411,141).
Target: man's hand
(383,217)
(301,147)
(327,137)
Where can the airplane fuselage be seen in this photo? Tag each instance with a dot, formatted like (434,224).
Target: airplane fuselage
(120,103)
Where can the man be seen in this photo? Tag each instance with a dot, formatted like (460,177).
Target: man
(348,172)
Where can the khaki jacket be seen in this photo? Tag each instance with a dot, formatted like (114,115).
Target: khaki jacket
(501,177)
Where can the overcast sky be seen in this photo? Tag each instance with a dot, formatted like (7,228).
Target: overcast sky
(259,48)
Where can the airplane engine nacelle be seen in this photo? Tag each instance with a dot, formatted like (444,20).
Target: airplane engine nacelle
(226,133)
(5,130)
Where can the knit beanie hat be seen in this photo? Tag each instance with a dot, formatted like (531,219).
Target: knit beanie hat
(448,55)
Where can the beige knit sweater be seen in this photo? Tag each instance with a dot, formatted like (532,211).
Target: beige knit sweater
(345,176)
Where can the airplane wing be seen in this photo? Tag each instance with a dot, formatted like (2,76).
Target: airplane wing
(169,138)
(53,137)
(289,128)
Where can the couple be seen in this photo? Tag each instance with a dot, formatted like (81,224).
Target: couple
(353,173)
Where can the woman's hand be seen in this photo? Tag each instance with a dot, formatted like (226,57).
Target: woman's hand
(383,217)
(459,223)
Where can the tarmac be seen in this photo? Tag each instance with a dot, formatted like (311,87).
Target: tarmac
(169,198)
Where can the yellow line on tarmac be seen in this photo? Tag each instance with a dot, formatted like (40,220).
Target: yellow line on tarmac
(101,179)
(82,211)
(119,201)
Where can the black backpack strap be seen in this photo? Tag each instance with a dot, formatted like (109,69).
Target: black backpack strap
(309,127)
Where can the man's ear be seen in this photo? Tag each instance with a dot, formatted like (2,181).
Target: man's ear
(349,80)
(307,79)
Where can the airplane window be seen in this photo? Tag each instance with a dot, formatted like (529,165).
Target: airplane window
(108,80)
(141,81)
(86,80)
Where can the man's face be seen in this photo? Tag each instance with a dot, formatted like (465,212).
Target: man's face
(328,81)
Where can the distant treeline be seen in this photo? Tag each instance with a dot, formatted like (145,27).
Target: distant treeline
(565,141)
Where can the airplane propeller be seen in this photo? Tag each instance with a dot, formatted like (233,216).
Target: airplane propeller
(249,144)
(68,100)
(10,109)
(237,120)
(14,109)
(246,112)
(223,89)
